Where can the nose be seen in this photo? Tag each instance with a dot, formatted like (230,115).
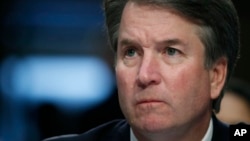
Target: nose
(149,72)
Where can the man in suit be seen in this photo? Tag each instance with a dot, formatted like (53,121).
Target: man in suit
(173,59)
(119,130)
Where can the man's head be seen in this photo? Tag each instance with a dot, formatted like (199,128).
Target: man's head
(217,20)
(172,60)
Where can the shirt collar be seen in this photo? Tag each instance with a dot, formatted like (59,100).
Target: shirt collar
(132,136)
(209,133)
(207,137)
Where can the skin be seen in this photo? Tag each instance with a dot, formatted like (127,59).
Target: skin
(165,92)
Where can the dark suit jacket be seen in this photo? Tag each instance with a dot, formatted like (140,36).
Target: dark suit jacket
(119,130)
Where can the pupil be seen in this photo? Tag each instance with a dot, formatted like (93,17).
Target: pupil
(131,52)
(171,51)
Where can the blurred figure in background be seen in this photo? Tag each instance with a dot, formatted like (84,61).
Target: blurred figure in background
(235,105)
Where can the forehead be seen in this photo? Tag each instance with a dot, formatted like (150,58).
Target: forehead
(133,10)
(139,6)
(161,22)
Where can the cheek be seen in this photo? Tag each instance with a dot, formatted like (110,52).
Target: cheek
(189,84)
(125,82)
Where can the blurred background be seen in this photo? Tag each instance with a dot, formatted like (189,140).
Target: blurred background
(56,68)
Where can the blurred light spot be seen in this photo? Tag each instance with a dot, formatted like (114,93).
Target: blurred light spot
(69,82)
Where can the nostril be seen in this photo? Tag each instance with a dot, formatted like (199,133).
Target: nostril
(141,85)
(151,79)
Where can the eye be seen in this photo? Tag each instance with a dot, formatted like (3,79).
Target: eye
(130,52)
(171,51)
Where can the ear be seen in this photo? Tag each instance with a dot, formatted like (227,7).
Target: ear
(218,74)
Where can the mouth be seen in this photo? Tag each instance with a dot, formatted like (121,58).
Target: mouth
(148,101)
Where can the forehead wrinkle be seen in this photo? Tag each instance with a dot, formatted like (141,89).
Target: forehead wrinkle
(127,42)
(132,35)
(143,35)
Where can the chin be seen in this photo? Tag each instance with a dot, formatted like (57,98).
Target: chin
(153,124)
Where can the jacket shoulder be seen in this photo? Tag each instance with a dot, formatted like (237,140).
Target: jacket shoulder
(112,131)
(221,130)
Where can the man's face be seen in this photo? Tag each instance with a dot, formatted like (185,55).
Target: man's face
(162,81)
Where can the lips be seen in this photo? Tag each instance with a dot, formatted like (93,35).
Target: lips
(148,101)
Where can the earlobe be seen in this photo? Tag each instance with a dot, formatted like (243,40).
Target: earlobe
(218,74)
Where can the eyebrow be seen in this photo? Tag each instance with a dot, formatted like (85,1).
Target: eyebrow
(128,42)
(171,42)
(168,42)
